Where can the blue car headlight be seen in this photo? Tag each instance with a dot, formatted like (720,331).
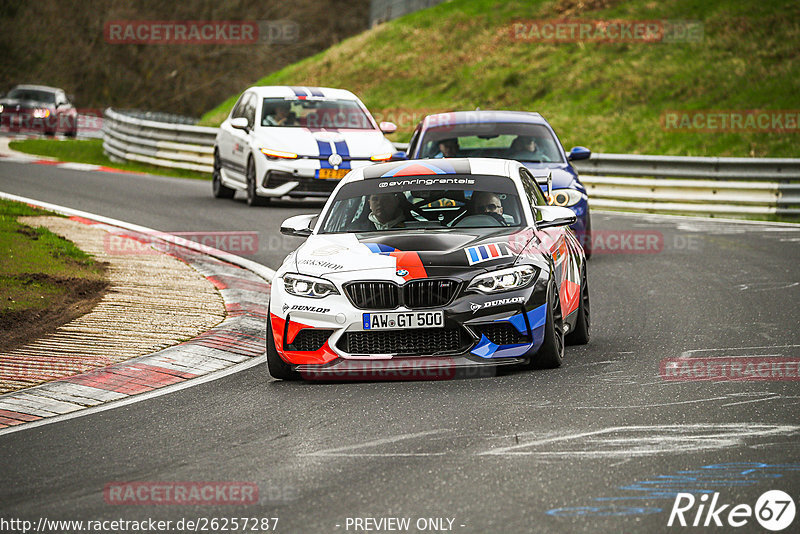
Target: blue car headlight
(565,197)
(308,286)
(504,279)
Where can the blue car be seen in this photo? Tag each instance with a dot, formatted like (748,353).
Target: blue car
(518,135)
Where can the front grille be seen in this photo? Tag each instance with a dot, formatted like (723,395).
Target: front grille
(501,333)
(413,341)
(309,340)
(388,296)
(429,293)
(373,295)
(275,179)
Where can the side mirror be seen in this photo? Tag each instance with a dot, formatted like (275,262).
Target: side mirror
(299,225)
(579,152)
(388,127)
(399,156)
(555,216)
(240,123)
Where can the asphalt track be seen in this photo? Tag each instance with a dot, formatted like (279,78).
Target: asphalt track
(600,445)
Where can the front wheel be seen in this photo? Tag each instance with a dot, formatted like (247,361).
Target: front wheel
(551,353)
(252,198)
(218,189)
(277,367)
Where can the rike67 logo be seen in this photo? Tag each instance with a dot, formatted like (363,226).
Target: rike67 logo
(774,510)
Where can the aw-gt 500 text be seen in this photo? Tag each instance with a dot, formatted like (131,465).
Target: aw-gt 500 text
(296,141)
(429,263)
(449,263)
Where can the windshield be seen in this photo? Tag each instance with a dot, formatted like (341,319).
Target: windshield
(519,141)
(33,95)
(424,202)
(314,113)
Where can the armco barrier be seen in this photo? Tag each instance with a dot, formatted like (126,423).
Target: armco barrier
(163,144)
(718,186)
(676,184)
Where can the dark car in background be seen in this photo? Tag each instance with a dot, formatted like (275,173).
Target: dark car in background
(38,108)
(523,136)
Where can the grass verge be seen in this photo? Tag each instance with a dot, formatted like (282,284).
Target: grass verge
(45,280)
(91,151)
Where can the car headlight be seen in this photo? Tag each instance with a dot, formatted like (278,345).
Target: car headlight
(564,197)
(308,286)
(504,279)
(270,153)
(41,113)
(382,157)
(1,108)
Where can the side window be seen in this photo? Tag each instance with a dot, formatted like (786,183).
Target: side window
(412,145)
(250,110)
(238,109)
(532,191)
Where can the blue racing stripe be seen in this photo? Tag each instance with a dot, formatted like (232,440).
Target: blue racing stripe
(324,152)
(342,150)
(299,91)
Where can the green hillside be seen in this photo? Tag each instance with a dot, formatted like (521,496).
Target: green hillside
(609,96)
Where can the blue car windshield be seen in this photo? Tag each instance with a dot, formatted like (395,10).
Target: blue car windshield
(507,140)
(412,204)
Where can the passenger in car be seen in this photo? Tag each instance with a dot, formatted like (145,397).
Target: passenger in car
(524,147)
(386,211)
(281,116)
(448,148)
(488,203)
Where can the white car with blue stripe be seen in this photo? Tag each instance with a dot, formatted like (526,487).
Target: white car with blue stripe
(295,141)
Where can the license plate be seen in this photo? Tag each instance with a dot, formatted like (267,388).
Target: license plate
(332,174)
(400,320)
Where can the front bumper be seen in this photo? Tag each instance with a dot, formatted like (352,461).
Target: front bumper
(299,177)
(328,334)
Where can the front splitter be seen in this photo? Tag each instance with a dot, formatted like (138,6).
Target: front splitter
(407,368)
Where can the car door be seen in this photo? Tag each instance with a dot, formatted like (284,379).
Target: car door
(231,146)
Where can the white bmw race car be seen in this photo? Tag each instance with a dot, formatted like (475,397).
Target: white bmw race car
(296,141)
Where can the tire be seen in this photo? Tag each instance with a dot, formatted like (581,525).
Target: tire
(551,353)
(580,334)
(587,237)
(217,188)
(277,367)
(253,199)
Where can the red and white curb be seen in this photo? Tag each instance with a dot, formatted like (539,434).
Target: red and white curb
(235,344)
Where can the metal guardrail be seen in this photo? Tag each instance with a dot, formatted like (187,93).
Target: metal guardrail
(691,167)
(164,144)
(673,184)
(717,186)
